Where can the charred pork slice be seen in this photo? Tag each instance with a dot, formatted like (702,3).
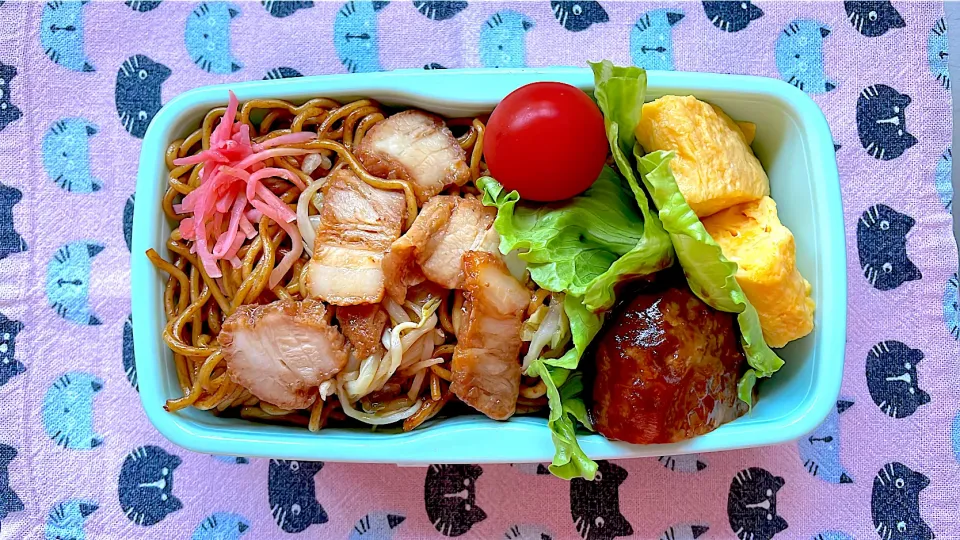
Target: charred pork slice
(282,351)
(433,248)
(486,364)
(415,146)
(357,225)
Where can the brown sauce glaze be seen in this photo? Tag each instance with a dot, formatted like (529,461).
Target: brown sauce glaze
(667,367)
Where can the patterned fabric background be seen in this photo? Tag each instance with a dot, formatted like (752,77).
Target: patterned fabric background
(80,82)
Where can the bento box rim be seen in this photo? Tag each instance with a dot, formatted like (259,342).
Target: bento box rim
(521,439)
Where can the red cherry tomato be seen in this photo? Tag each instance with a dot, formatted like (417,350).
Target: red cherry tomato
(547,141)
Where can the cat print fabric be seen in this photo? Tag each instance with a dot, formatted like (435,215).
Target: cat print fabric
(66,155)
(450,496)
(284,8)
(938,53)
(68,282)
(578,15)
(10,367)
(820,450)
(146,485)
(752,504)
(503,40)
(66,520)
(873,19)
(882,247)
(61,34)
(439,11)
(892,379)
(68,416)
(376,525)
(595,506)
(9,112)
(81,83)
(355,36)
(10,240)
(651,39)
(882,122)
(221,526)
(731,16)
(291,487)
(10,502)
(138,92)
(895,503)
(799,52)
(207,36)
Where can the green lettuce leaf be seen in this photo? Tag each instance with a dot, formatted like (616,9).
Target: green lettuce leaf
(571,246)
(710,275)
(620,92)
(564,390)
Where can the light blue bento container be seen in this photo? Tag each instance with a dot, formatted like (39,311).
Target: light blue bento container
(793,142)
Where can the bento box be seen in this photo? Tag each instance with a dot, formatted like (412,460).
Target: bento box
(793,142)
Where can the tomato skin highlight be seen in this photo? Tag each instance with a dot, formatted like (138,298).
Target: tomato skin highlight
(547,141)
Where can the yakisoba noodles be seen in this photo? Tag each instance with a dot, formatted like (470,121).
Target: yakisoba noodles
(259,255)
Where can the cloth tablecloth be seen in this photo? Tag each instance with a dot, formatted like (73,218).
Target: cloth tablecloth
(80,82)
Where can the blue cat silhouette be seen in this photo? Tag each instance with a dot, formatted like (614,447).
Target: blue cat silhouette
(293,501)
(439,11)
(833,535)
(450,498)
(129,359)
(376,526)
(128,221)
(951,306)
(942,182)
(66,519)
(138,92)
(207,36)
(233,460)
(146,485)
(820,449)
(434,65)
(284,8)
(66,155)
(683,463)
(142,6)
(578,15)
(503,40)
(526,531)
(882,122)
(221,526)
(892,378)
(752,505)
(8,111)
(9,501)
(355,36)
(10,367)
(731,16)
(955,437)
(873,19)
(882,246)
(684,532)
(799,54)
(61,34)
(68,281)
(68,411)
(651,39)
(10,241)
(938,52)
(282,73)
(895,503)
